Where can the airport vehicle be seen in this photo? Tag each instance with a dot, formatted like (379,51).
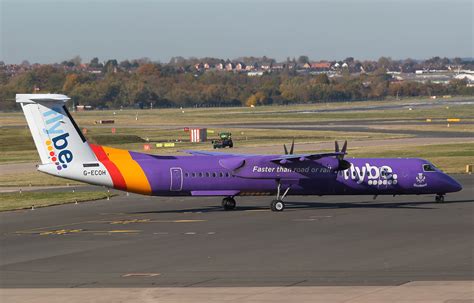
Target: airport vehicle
(225,140)
(65,152)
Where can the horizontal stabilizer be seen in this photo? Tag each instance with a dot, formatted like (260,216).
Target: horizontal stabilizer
(36,98)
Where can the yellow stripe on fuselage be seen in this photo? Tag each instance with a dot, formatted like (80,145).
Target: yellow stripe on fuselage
(134,176)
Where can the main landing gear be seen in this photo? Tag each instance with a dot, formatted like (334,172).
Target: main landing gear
(228,203)
(439,198)
(277,204)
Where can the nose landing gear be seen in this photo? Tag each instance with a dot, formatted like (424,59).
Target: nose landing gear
(439,198)
(278,204)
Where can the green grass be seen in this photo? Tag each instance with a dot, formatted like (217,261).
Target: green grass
(12,201)
(279,114)
(33,179)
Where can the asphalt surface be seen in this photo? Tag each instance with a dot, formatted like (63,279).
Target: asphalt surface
(138,241)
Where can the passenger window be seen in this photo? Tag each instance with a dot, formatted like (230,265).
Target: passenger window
(214,174)
(428,167)
(208,174)
(221,175)
(186,175)
(194,175)
(200,174)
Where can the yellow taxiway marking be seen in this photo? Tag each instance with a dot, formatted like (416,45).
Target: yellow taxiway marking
(72,231)
(60,232)
(130,221)
(60,229)
(123,231)
(150,221)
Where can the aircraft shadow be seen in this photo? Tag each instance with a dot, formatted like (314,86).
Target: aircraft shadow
(315,205)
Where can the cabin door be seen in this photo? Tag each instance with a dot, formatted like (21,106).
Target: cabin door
(176,179)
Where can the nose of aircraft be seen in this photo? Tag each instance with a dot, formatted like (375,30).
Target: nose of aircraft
(451,185)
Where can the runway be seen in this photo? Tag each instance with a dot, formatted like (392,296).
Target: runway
(136,241)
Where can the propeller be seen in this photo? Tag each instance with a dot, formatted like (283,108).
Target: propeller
(292,148)
(343,164)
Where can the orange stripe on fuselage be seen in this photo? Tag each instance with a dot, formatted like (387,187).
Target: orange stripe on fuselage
(115,174)
(131,171)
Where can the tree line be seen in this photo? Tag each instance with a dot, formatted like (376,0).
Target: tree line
(158,85)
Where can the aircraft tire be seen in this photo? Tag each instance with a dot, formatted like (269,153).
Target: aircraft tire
(228,203)
(277,205)
(439,198)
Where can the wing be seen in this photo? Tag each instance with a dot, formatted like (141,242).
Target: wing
(302,157)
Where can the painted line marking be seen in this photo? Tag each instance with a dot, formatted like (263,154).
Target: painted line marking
(150,221)
(75,231)
(144,275)
(190,233)
(304,220)
(60,232)
(211,233)
(161,233)
(124,222)
(124,231)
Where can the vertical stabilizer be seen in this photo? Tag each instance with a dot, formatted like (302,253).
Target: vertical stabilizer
(60,143)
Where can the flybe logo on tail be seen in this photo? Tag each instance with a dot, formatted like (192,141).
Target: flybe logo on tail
(57,144)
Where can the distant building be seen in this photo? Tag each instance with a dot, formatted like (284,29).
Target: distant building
(199,66)
(229,66)
(320,65)
(81,108)
(240,66)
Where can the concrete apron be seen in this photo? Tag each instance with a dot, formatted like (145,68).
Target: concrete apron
(420,291)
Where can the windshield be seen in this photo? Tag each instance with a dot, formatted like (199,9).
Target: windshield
(428,167)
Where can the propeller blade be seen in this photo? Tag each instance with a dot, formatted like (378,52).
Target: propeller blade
(344,147)
(292,146)
(343,165)
(336,146)
(284,147)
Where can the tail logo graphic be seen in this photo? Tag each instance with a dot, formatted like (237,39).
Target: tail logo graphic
(57,144)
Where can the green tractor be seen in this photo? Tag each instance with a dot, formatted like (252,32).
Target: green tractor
(225,140)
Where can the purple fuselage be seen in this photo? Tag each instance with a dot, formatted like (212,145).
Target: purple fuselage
(233,175)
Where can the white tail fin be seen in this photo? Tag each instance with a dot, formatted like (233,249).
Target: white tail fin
(59,141)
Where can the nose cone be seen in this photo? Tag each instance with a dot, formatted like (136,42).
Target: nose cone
(452,185)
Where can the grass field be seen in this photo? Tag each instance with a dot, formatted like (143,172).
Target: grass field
(12,201)
(278,114)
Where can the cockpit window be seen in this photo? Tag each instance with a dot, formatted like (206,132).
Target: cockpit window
(428,167)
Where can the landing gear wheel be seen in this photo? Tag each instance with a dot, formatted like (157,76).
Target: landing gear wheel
(277,205)
(439,198)
(228,203)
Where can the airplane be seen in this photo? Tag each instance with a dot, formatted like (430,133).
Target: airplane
(65,153)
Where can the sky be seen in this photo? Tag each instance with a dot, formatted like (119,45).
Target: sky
(47,31)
